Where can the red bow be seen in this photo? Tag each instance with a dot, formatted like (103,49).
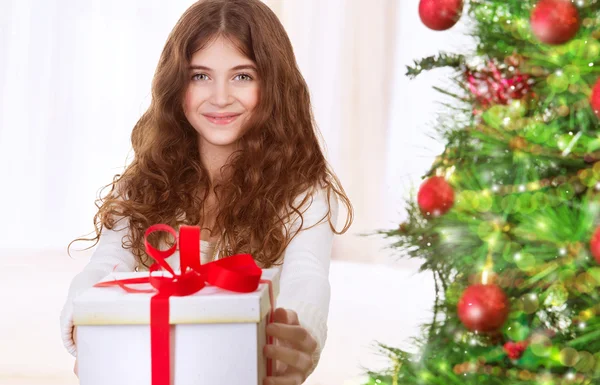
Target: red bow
(237,273)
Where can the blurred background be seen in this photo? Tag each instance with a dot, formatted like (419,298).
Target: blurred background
(74,78)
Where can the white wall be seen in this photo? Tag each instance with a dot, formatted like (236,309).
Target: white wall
(411,151)
(74,78)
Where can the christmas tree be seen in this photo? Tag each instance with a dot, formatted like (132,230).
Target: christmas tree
(507,218)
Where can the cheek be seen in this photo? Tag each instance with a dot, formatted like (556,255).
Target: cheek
(187,100)
(251,99)
(192,99)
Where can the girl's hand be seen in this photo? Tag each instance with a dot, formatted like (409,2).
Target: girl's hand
(294,351)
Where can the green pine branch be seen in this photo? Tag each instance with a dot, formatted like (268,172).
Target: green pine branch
(431,62)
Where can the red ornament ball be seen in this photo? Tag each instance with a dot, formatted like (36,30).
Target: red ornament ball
(554,21)
(515,350)
(595,245)
(595,98)
(440,15)
(483,308)
(435,196)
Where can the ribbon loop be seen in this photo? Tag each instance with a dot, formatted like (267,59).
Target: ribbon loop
(236,273)
(160,255)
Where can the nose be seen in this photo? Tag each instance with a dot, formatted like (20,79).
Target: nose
(221,95)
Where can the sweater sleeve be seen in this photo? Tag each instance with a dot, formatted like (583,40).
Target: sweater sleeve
(108,256)
(304,281)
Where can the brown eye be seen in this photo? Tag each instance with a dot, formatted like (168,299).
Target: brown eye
(248,77)
(195,77)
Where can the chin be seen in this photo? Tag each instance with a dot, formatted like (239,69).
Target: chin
(220,139)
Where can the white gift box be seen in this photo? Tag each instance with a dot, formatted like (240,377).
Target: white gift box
(217,336)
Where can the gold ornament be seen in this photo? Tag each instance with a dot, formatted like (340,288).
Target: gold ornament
(569,357)
(530,303)
(563,111)
(517,143)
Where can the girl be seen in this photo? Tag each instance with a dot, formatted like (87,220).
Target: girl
(229,144)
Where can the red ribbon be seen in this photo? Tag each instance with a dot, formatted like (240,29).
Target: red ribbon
(237,273)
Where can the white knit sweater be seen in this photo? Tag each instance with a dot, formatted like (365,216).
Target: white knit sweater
(304,281)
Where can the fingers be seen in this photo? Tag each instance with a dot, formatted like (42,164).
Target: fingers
(298,336)
(285,316)
(296,351)
(292,317)
(293,379)
(280,315)
(292,357)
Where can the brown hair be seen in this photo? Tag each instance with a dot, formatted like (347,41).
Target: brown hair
(279,156)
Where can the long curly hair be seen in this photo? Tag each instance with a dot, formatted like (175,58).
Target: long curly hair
(278,159)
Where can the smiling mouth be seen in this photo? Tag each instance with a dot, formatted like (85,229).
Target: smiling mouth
(224,120)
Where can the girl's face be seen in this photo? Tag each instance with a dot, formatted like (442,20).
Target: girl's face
(221,93)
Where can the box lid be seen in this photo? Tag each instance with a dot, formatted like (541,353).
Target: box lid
(114,306)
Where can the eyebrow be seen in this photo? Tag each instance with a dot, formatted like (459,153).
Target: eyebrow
(236,68)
